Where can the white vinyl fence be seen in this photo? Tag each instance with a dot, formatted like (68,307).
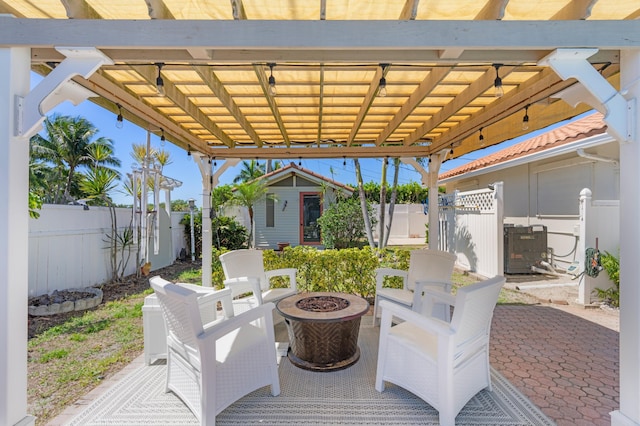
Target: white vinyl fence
(68,247)
(409,221)
(599,228)
(471,227)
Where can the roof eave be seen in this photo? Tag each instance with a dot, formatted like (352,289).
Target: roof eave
(541,155)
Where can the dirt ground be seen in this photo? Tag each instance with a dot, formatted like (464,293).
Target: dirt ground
(110,292)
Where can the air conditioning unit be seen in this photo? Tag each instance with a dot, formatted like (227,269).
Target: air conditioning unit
(524,247)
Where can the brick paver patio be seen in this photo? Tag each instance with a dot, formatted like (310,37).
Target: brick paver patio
(567,365)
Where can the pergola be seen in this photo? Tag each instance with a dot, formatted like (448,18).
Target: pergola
(294,79)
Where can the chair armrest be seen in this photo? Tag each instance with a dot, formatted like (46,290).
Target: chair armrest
(220,329)
(392,310)
(383,272)
(291,272)
(428,287)
(200,289)
(243,285)
(437,296)
(210,296)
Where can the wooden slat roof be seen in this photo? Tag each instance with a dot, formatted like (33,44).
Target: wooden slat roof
(327,57)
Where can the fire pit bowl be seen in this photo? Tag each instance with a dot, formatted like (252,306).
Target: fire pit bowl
(323,329)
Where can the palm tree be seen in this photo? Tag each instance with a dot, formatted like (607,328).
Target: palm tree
(159,157)
(363,204)
(97,184)
(247,195)
(250,171)
(392,203)
(69,144)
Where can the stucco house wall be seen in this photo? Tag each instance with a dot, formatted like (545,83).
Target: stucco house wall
(543,187)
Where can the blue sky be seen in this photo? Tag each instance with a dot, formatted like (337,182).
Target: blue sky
(184,169)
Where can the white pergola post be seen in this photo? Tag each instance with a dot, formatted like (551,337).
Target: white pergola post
(435,161)
(629,412)
(209,181)
(621,115)
(15,66)
(204,164)
(167,208)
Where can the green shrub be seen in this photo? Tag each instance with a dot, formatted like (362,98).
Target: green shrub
(226,232)
(349,270)
(611,265)
(342,224)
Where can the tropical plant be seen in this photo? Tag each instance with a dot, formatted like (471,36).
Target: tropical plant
(68,145)
(220,196)
(407,193)
(96,185)
(611,264)
(227,233)
(35,204)
(250,170)
(247,195)
(179,205)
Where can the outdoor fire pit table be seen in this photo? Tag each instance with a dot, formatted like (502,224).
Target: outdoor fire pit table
(323,329)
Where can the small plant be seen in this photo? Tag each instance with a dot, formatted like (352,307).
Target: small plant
(611,265)
(55,354)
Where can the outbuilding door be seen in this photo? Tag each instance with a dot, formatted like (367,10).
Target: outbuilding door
(310,211)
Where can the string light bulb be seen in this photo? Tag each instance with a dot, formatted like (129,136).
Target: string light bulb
(188,150)
(382,86)
(451,150)
(272,81)
(119,119)
(162,138)
(215,163)
(525,119)
(497,83)
(344,161)
(160,80)
(299,161)
(481,137)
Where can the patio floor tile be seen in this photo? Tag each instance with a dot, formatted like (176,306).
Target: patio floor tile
(566,364)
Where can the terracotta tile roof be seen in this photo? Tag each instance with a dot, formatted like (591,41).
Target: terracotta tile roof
(579,129)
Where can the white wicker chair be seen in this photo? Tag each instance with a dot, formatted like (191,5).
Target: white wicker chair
(209,367)
(427,269)
(244,273)
(445,364)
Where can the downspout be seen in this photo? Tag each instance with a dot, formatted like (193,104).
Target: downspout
(594,157)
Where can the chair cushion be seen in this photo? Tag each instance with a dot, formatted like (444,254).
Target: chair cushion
(397,295)
(414,338)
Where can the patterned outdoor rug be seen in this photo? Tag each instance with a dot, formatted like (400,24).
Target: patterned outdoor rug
(344,397)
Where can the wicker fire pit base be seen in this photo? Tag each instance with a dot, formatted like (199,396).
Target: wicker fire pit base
(323,329)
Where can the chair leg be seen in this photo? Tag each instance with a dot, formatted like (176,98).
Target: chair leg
(446,419)
(375,311)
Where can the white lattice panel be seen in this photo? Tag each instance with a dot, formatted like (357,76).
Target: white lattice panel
(482,201)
